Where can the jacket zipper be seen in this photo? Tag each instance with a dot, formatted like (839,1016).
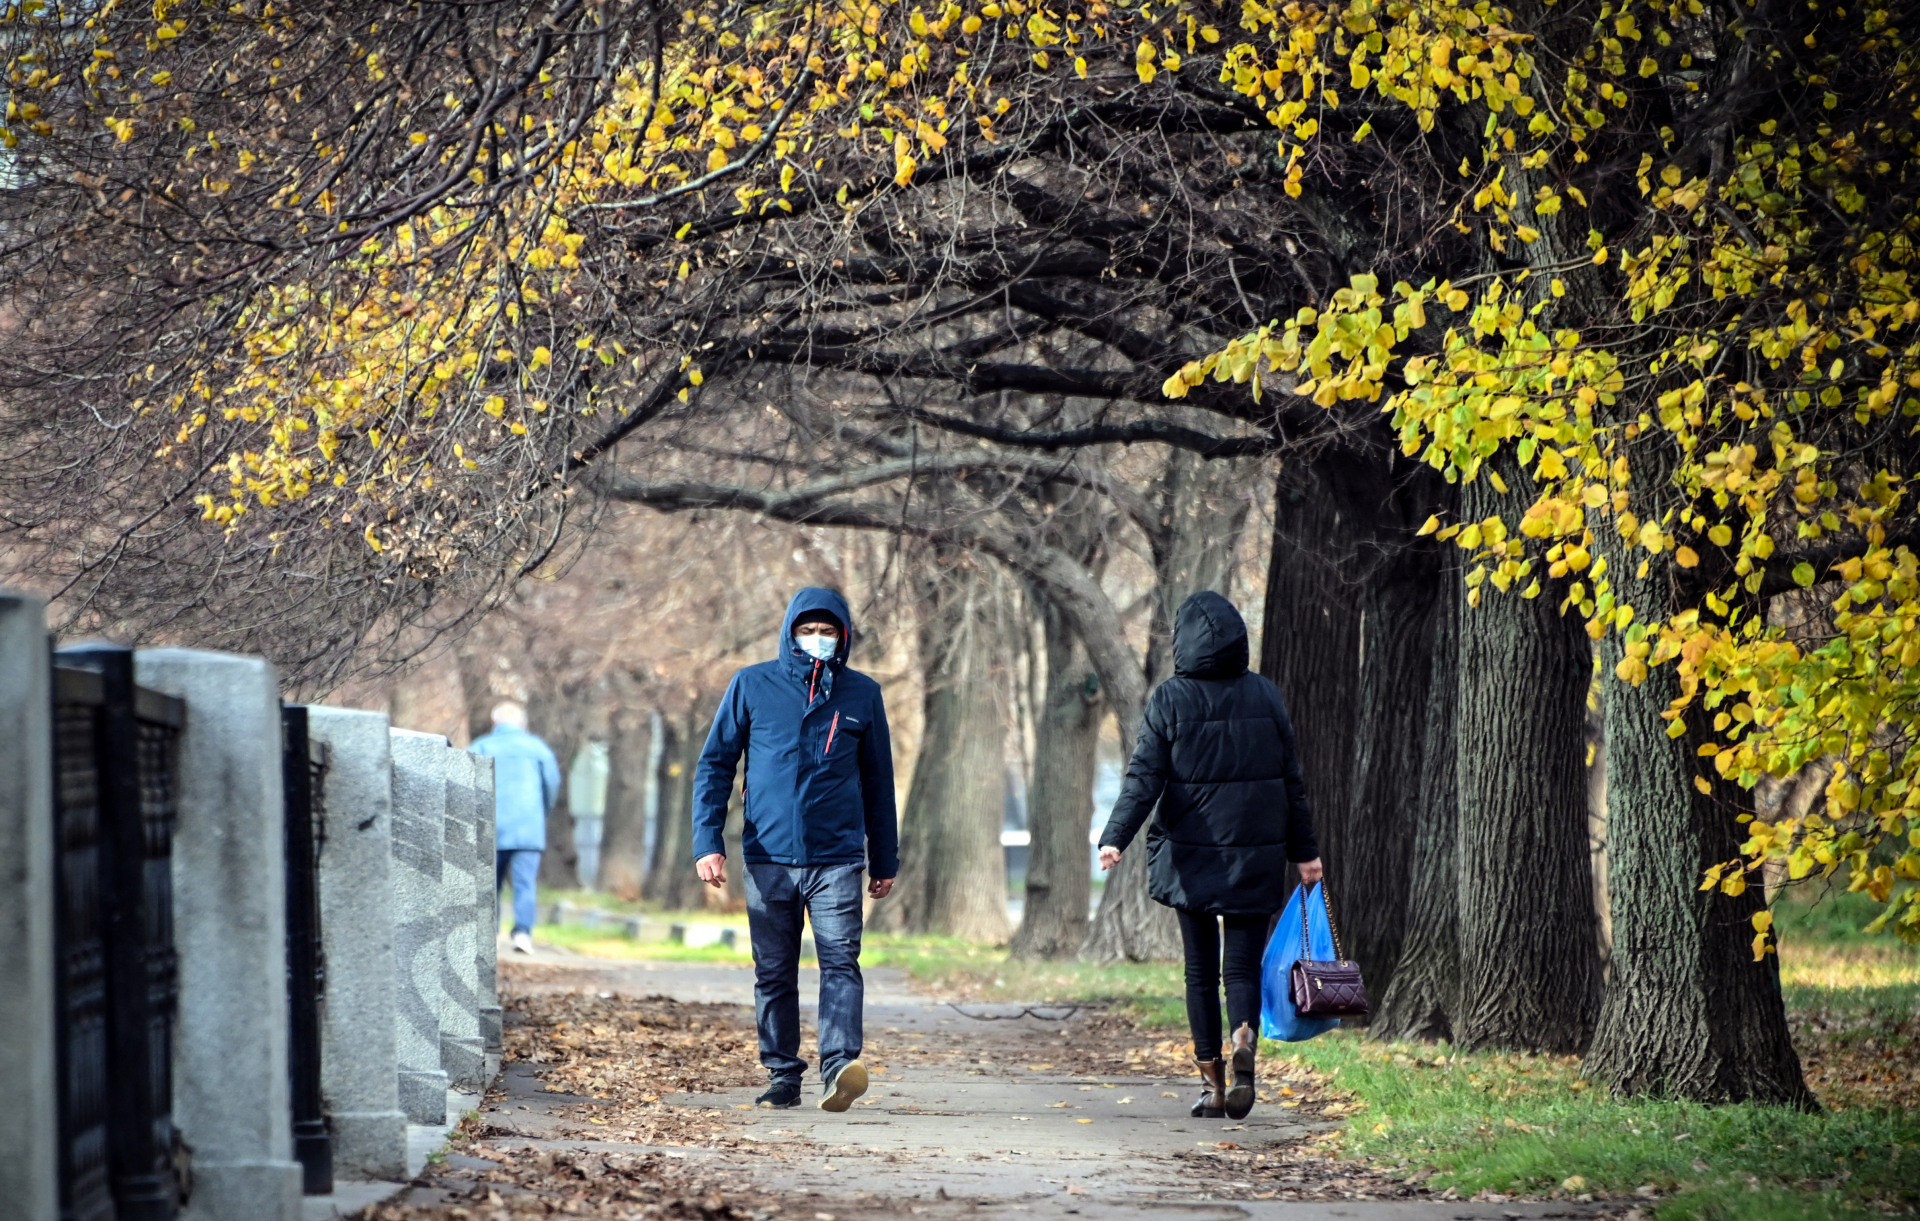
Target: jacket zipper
(812,682)
(830,730)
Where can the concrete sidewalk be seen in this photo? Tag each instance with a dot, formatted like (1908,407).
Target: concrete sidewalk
(978,1132)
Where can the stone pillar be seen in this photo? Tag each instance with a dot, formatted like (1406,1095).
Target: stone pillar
(359,1061)
(231,1097)
(419,919)
(29,1128)
(488,909)
(462,1050)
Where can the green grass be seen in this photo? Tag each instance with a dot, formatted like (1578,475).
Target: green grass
(1827,963)
(1150,991)
(651,910)
(608,943)
(1530,1124)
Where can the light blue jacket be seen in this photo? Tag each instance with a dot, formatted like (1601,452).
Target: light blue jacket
(526,783)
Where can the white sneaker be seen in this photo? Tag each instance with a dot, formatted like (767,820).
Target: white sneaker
(848,1084)
(523,943)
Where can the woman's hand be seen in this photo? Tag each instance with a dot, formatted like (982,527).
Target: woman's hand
(1310,871)
(1109,857)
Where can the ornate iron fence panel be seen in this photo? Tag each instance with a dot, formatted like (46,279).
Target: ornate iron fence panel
(303,774)
(86,1190)
(115,812)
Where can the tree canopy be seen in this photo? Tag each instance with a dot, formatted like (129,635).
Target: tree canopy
(1693,327)
(374,285)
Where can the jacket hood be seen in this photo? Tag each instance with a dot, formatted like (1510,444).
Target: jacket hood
(1209,638)
(813,598)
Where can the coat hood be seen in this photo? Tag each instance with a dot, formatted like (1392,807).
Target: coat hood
(813,598)
(1209,638)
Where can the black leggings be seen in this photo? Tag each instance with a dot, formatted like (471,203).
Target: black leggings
(1246,942)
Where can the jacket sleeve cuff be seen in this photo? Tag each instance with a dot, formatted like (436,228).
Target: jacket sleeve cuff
(704,845)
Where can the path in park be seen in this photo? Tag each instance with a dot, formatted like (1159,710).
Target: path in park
(976,1110)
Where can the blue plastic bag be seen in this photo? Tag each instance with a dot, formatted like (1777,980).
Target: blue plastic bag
(1277,1017)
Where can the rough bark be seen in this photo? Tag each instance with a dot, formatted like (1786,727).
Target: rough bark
(1310,642)
(1370,881)
(623,835)
(1689,1014)
(1060,800)
(953,877)
(1348,592)
(1423,994)
(674,884)
(1529,966)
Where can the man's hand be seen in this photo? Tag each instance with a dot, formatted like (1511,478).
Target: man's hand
(1109,857)
(1310,871)
(712,869)
(879,888)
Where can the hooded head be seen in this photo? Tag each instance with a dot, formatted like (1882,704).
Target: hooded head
(1209,638)
(824,601)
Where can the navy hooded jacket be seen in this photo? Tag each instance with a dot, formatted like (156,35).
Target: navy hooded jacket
(1217,756)
(819,787)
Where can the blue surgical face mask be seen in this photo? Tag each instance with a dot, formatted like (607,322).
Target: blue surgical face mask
(820,648)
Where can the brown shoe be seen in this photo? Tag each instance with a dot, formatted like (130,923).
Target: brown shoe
(1239,1095)
(1209,1105)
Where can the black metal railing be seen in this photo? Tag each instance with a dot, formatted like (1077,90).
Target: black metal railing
(117,985)
(303,774)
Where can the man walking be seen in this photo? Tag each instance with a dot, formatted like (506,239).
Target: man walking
(819,809)
(526,783)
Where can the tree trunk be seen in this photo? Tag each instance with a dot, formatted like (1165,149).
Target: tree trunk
(1423,994)
(1369,874)
(1310,641)
(674,884)
(953,877)
(623,836)
(1060,801)
(1529,964)
(560,862)
(1349,589)
(1689,1014)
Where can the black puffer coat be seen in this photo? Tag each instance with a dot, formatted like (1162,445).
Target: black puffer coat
(1216,752)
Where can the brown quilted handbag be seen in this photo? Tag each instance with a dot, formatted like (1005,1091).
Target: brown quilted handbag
(1326,989)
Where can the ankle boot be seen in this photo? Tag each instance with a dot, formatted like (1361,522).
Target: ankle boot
(1239,1095)
(1209,1104)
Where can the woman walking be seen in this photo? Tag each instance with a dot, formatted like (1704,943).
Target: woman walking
(1216,752)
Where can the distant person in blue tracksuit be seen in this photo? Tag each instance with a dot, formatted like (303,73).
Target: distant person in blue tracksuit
(819,811)
(526,783)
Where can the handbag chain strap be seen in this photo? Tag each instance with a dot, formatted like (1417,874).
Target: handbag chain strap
(1332,925)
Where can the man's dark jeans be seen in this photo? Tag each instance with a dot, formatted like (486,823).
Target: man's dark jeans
(829,895)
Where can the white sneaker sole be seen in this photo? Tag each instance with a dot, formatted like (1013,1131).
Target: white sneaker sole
(848,1084)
